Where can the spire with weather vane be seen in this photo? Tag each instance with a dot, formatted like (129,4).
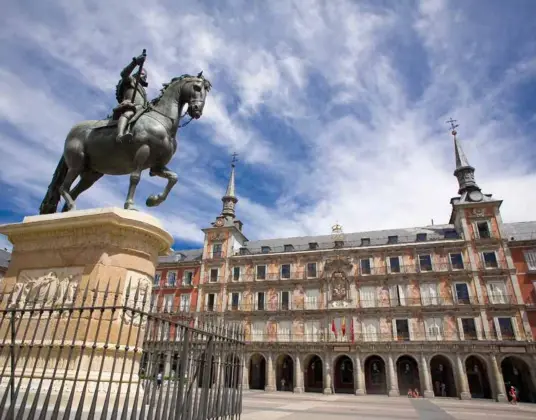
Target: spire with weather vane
(229,199)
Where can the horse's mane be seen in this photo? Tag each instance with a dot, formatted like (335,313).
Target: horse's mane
(207,84)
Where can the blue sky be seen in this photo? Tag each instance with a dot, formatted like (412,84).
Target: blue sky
(336,108)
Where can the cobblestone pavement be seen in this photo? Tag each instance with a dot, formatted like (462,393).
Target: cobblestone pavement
(288,406)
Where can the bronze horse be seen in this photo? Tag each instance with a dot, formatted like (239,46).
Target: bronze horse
(91,150)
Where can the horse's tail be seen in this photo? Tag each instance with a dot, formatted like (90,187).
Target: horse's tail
(52,198)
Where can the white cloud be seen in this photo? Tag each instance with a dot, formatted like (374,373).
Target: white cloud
(317,97)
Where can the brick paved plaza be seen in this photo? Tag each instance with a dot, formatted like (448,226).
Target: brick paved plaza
(288,406)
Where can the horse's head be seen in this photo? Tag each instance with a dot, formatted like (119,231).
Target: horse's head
(194,92)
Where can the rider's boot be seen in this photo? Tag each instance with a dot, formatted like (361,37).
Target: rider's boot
(123,137)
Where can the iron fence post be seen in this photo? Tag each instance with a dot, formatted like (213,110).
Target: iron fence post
(12,351)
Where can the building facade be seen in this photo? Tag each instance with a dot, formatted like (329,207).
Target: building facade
(443,309)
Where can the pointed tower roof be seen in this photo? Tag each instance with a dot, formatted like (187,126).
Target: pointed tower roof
(464,172)
(461,159)
(229,199)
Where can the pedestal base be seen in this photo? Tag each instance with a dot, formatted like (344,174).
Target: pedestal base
(269,388)
(359,392)
(327,391)
(429,394)
(245,387)
(465,396)
(394,393)
(502,398)
(298,390)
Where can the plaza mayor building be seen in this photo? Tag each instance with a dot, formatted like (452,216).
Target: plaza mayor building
(446,310)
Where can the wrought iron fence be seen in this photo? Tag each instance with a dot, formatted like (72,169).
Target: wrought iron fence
(100,352)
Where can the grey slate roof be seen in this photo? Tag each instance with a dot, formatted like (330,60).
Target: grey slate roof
(189,255)
(520,231)
(5,257)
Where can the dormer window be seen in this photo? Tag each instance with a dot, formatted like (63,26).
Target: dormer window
(451,234)
(421,237)
(339,244)
(365,241)
(393,239)
(265,249)
(244,251)
(289,248)
(313,245)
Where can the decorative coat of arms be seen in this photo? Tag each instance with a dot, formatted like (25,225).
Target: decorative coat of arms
(339,286)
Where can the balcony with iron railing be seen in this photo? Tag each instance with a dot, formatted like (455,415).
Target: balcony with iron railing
(305,305)
(209,279)
(214,255)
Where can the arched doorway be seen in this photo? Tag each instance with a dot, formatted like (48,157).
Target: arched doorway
(477,376)
(313,374)
(517,373)
(285,373)
(408,374)
(375,378)
(442,377)
(232,371)
(344,375)
(257,372)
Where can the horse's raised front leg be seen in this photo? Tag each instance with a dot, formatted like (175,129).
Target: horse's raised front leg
(163,172)
(139,159)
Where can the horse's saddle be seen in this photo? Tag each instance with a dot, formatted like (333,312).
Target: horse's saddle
(112,121)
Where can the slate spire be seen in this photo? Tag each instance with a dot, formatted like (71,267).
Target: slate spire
(229,199)
(464,172)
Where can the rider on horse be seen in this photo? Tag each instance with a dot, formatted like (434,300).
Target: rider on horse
(131,95)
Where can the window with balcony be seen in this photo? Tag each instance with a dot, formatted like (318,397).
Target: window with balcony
(211,302)
(456,261)
(257,330)
(365,241)
(371,329)
(185,302)
(214,275)
(261,272)
(421,237)
(367,296)
(217,251)
(157,277)
(490,259)
(312,329)
(260,306)
(187,278)
(171,278)
(506,328)
(462,293)
(483,230)
(285,300)
(497,292)
(434,328)
(283,330)
(312,299)
(236,273)
(397,295)
(285,271)
(365,266)
(401,329)
(168,303)
(469,329)
(530,259)
(394,264)
(311,270)
(393,239)
(430,294)
(235,301)
(425,262)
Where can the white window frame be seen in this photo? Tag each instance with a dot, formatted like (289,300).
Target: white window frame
(257,271)
(432,300)
(257,301)
(215,302)
(530,259)
(168,303)
(157,278)
(307,270)
(212,249)
(284,334)
(184,277)
(431,262)
(450,261)
(401,296)
(410,328)
(399,264)
(281,299)
(362,296)
(181,303)
(289,271)
(367,335)
(239,274)
(477,231)
(210,274)
(434,321)
(258,330)
(515,328)
(478,327)
(312,304)
(469,291)
(230,303)
(312,329)
(371,266)
(491,295)
(484,260)
(167,278)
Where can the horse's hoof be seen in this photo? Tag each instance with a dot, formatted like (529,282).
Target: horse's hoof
(153,200)
(130,206)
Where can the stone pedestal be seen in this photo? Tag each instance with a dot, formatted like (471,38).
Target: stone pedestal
(90,263)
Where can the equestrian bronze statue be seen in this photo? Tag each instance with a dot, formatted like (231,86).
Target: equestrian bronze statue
(139,135)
